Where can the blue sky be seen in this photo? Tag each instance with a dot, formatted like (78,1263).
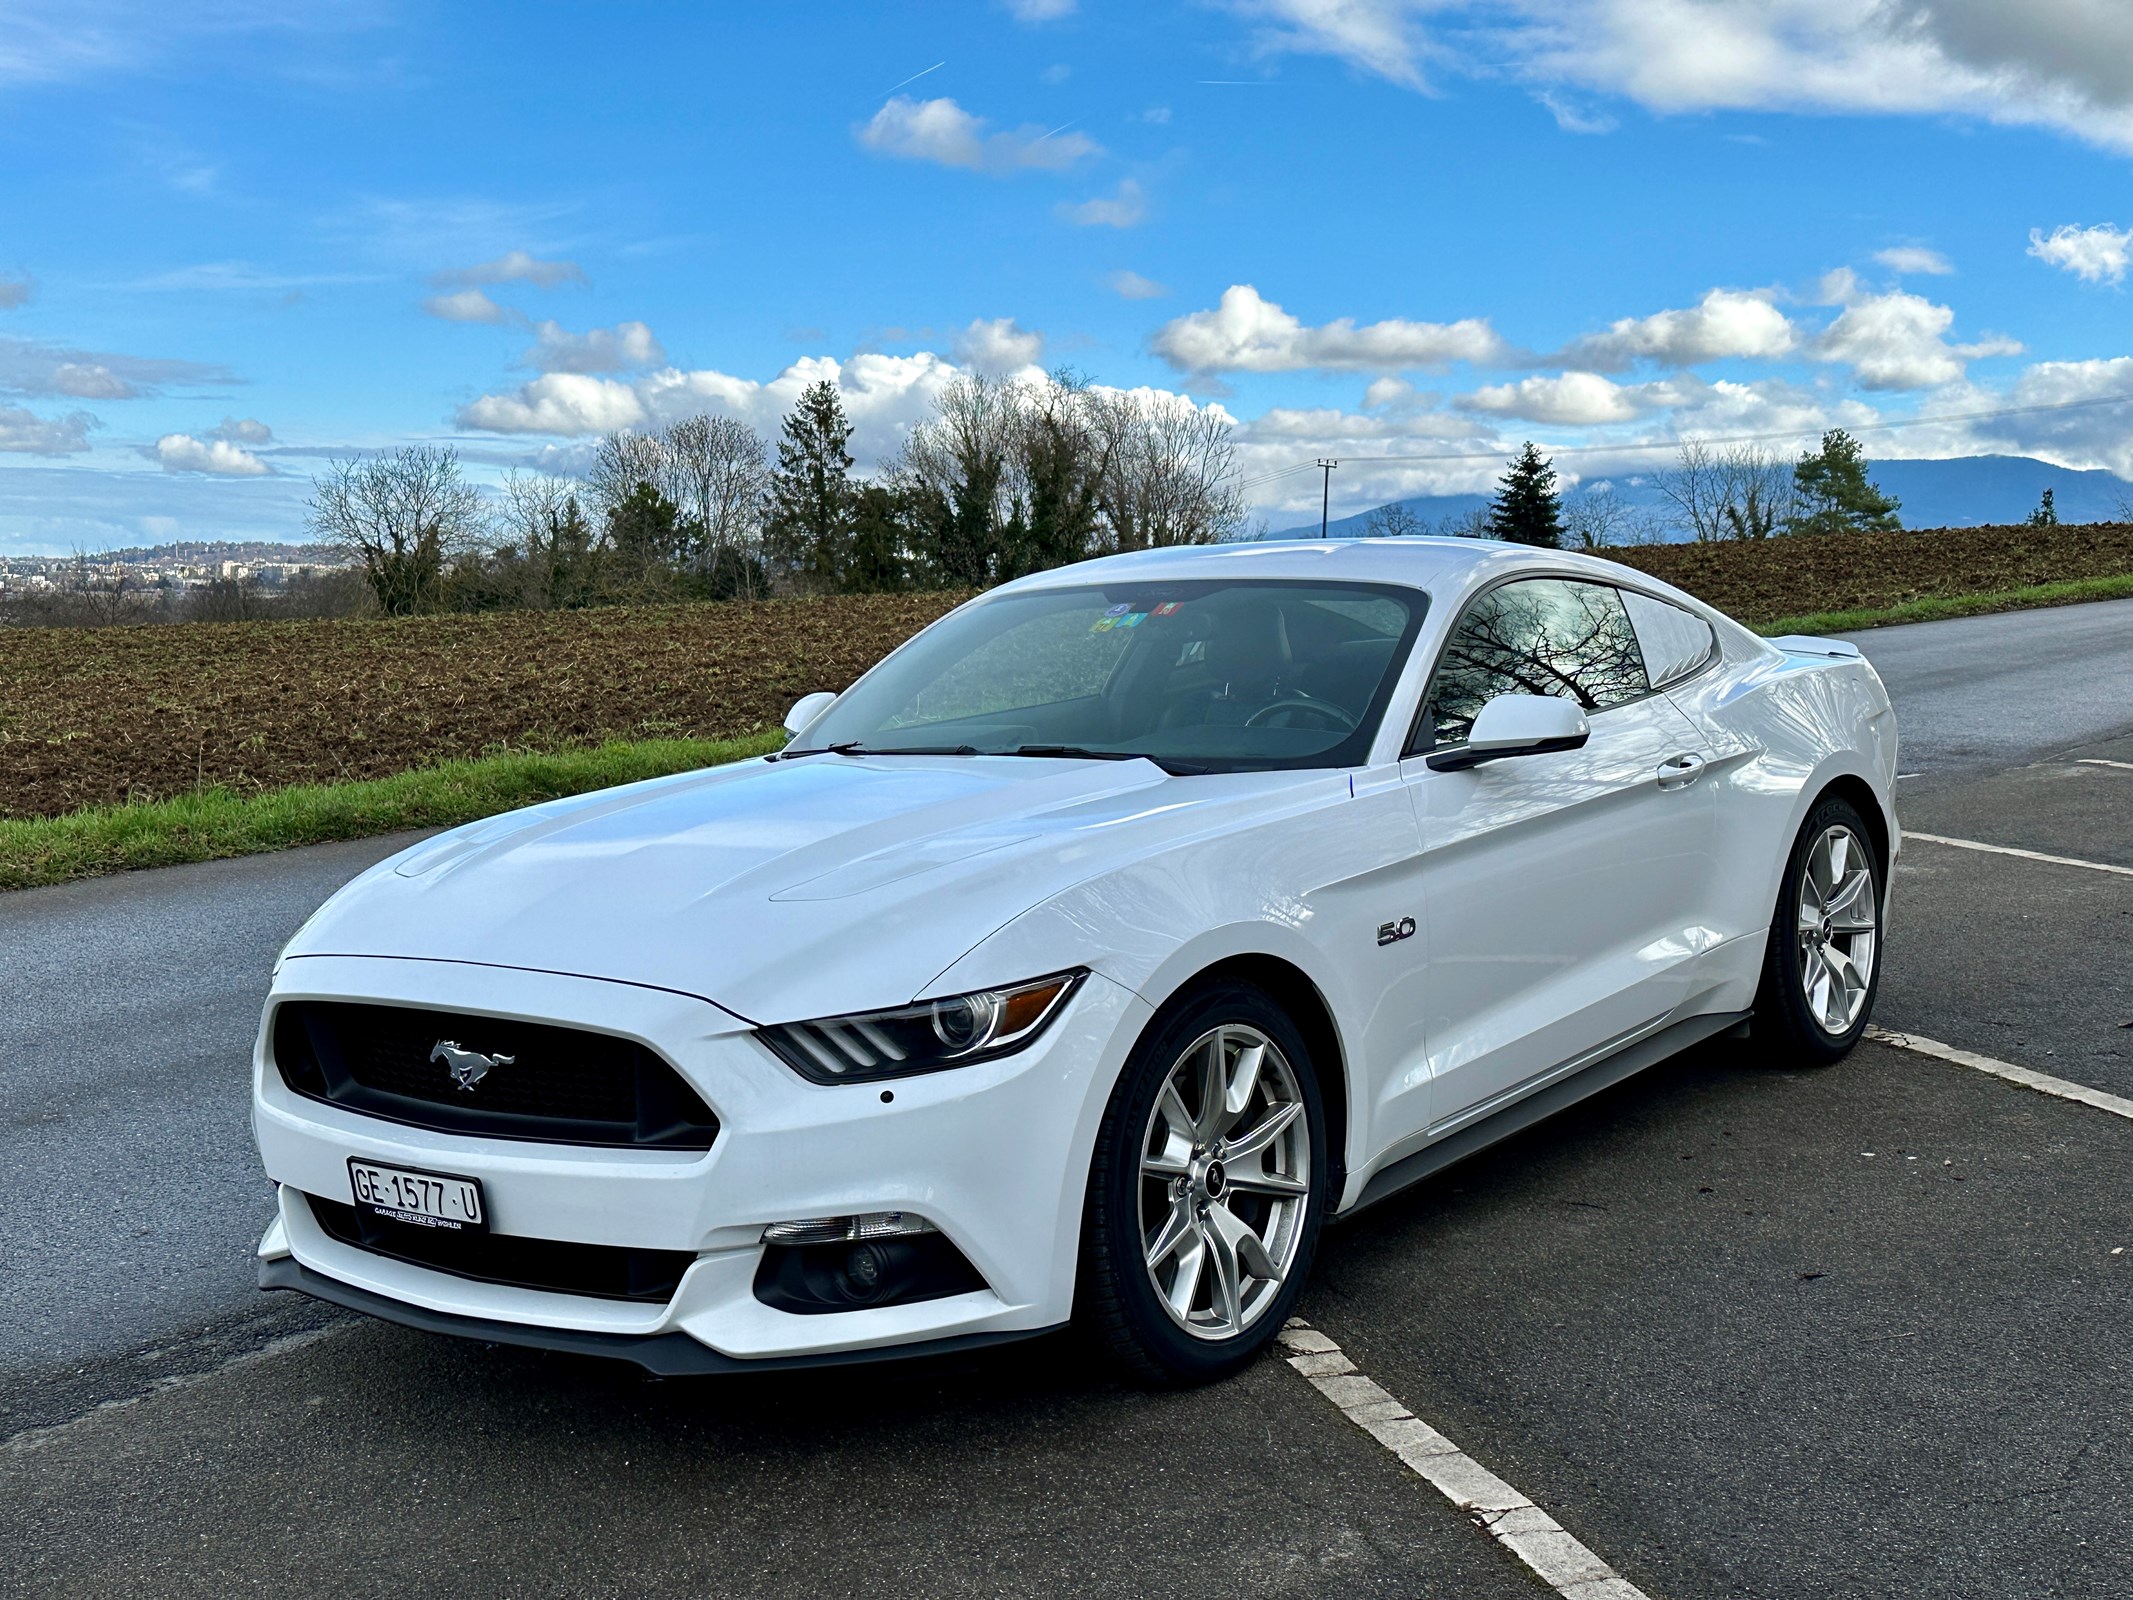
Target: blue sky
(237,238)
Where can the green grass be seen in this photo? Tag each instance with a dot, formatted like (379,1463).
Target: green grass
(215,823)
(1936,608)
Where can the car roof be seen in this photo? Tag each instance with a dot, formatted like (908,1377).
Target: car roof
(1419,562)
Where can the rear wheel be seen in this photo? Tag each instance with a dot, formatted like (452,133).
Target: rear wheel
(1205,1196)
(1823,964)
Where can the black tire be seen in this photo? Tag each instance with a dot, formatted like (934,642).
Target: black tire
(1787,1031)
(1119,1304)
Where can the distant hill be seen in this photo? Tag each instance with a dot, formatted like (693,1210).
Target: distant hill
(1966,492)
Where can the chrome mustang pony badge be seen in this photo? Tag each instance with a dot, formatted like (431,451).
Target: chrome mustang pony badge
(469,1067)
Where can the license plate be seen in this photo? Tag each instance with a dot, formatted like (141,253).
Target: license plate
(425,1199)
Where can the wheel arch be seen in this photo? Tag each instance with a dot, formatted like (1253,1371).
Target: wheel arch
(1296,993)
(1855,789)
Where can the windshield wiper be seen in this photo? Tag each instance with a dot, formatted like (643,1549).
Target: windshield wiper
(852,747)
(1073,752)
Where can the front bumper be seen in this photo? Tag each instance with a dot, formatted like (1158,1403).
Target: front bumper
(996,1156)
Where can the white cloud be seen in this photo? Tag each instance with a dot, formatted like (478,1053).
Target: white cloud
(1726,323)
(559,402)
(465,305)
(14,292)
(32,367)
(1130,285)
(181,452)
(1915,259)
(90,380)
(2063,64)
(884,396)
(2095,255)
(625,347)
(1577,399)
(514,266)
(1040,10)
(944,133)
(1248,333)
(1897,340)
(1121,209)
(999,346)
(1384,392)
(243,430)
(1382,37)
(23,432)
(1572,118)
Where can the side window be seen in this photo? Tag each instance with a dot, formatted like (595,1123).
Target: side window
(1675,642)
(1536,636)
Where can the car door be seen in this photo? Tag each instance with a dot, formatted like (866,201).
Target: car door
(1561,890)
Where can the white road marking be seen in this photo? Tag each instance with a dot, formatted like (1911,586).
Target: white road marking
(1499,1510)
(2098,761)
(2008,850)
(2042,1082)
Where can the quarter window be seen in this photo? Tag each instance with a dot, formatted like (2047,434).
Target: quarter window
(1675,642)
(1548,636)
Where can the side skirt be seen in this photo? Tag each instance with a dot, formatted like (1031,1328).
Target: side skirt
(1541,1105)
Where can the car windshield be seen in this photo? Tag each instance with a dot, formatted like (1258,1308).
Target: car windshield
(1206,676)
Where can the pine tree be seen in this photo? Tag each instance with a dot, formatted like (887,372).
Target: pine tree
(808,531)
(1833,493)
(877,564)
(2046,515)
(1527,509)
(644,536)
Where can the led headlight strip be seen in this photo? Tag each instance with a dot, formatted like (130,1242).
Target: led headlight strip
(949,1032)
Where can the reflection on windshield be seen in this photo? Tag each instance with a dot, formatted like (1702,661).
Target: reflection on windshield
(1201,677)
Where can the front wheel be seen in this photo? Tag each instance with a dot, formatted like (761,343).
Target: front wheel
(1207,1189)
(1823,964)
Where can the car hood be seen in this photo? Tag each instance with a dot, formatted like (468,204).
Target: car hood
(777,890)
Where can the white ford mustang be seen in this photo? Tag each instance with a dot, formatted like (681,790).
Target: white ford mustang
(1089,954)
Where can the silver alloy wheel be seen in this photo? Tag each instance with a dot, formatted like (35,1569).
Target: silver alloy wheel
(1837,929)
(1225,1177)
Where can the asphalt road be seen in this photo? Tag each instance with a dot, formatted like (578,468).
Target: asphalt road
(1743,1331)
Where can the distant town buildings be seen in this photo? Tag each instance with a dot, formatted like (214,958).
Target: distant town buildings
(171,568)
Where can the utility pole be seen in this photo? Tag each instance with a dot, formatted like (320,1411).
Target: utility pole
(1325,494)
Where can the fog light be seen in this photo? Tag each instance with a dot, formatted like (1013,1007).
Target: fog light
(864,1268)
(847,1230)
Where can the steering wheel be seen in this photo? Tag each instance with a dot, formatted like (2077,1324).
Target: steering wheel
(1296,701)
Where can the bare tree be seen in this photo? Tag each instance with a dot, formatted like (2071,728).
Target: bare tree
(622,464)
(1597,518)
(718,471)
(1738,491)
(1170,473)
(404,517)
(1395,521)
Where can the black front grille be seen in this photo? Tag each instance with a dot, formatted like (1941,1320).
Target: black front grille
(610,1272)
(561,1085)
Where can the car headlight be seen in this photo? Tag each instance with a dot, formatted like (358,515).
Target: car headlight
(925,1037)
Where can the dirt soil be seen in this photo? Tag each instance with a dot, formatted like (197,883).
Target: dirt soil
(1766,579)
(96,716)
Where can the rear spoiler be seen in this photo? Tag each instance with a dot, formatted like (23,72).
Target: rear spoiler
(1806,644)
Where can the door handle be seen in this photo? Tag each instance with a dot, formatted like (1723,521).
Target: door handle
(1678,772)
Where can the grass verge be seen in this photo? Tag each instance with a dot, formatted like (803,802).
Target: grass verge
(216,823)
(1938,608)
